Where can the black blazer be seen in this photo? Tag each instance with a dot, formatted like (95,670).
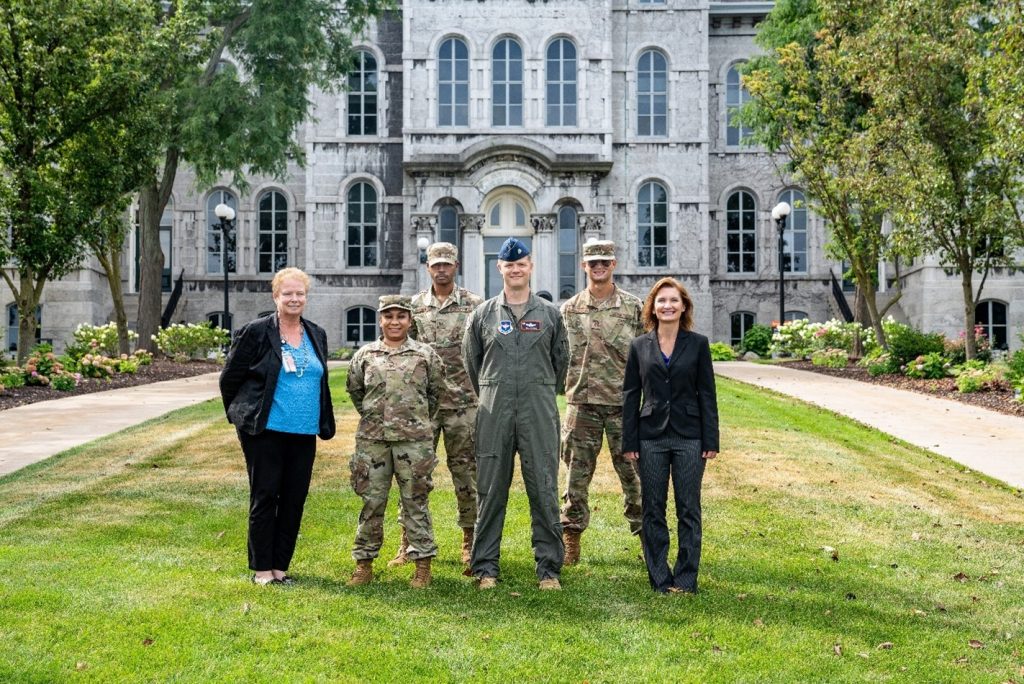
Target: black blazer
(683,393)
(249,378)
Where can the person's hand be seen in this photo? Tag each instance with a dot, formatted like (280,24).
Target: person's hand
(631,455)
(709,454)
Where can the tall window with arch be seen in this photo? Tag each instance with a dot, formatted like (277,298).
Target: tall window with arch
(652,94)
(739,323)
(362,94)
(362,225)
(568,251)
(990,315)
(448,225)
(273,232)
(360,326)
(214,237)
(560,80)
(453,83)
(13,322)
(794,238)
(740,233)
(735,96)
(507,83)
(652,224)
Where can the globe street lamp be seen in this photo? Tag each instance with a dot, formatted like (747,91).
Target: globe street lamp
(422,245)
(779,214)
(227,216)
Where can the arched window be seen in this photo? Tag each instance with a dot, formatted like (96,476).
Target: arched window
(453,83)
(448,225)
(991,316)
(652,94)
(652,224)
(735,96)
(507,83)
(794,238)
(362,225)
(796,316)
(560,77)
(360,326)
(506,210)
(568,250)
(218,320)
(362,95)
(739,323)
(273,226)
(13,322)
(214,237)
(740,233)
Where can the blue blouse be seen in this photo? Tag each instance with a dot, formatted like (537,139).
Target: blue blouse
(296,407)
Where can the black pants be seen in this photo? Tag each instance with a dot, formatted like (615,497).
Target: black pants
(280,466)
(682,459)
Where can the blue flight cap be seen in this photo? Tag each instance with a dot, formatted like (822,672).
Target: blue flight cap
(513,250)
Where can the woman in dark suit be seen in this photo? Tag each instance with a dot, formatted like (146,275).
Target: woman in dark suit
(670,426)
(274,387)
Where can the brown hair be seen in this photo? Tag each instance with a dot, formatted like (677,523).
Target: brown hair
(648,317)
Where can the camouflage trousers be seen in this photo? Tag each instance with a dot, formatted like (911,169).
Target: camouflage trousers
(582,432)
(411,463)
(458,426)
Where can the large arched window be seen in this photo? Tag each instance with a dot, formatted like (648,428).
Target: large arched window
(507,83)
(794,238)
(362,95)
(448,225)
(362,225)
(796,316)
(360,326)
(560,79)
(739,323)
(652,224)
(507,210)
(991,316)
(735,96)
(13,322)
(740,233)
(652,94)
(568,251)
(214,237)
(273,232)
(453,83)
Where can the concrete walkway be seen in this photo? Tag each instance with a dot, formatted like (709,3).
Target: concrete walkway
(983,440)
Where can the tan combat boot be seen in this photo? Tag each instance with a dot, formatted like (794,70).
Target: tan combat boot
(402,557)
(572,547)
(421,578)
(363,573)
(467,544)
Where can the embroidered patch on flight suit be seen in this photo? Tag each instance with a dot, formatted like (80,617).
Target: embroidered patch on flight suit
(529,326)
(505,327)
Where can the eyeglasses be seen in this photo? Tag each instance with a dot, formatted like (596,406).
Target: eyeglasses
(600,262)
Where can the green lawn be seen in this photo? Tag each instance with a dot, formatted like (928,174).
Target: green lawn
(824,542)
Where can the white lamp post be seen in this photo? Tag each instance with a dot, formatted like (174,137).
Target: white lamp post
(227,216)
(779,214)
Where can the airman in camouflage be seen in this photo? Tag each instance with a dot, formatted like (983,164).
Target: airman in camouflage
(395,384)
(601,322)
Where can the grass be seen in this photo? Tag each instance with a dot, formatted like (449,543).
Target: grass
(124,560)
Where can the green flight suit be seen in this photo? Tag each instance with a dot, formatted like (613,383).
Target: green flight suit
(517,367)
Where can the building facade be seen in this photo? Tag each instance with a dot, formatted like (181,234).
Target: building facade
(556,121)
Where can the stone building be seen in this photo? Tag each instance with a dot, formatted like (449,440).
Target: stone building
(555,121)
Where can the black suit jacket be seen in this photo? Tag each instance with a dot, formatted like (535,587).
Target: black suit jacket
(681,394)
(249,378)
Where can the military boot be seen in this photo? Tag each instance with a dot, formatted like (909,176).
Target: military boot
(467,544)
(363,573)
(421,578)
(572,547)
(402,557)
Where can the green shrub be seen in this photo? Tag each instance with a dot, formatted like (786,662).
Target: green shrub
(928,366)
(793,338)
(42,367)
(143,357)
(956,350)
(758,339)
(97,366)
(720,351)
(65,382)
(907,344)
(93,339)
(1015,367)
(128,365)
(343,353)
(182,342)
(880,363)
(12,377)
(974,379)
(830,358)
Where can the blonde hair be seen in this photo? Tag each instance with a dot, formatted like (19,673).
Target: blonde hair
(286,273)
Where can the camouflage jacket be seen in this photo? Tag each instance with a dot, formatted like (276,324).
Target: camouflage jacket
(599,337)
(395,391)
(442,327)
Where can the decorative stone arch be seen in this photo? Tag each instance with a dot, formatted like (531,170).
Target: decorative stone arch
(577,41)
(492,39)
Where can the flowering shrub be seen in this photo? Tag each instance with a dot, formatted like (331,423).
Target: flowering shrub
(956,350)
(127,364)
(65,382)
(143,357)
(974,379)
(43,367)
(97,366)
(92,339)
(880,363)
(12,377)
(801,338)
(757,339)
(793,338)
(182,342)
(830,358)
(907,343)
(930,366)
(720,351)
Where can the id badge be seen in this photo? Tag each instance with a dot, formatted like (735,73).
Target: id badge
(288,361)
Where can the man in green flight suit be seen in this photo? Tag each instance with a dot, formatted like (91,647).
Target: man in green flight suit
(516,353)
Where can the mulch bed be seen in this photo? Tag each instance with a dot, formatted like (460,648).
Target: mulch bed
(155,372)
(997,397)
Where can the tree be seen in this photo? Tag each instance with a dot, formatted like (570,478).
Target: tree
(239,118)
(67,72)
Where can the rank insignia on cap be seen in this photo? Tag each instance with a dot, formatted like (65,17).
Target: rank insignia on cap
(505,327)
(530,326)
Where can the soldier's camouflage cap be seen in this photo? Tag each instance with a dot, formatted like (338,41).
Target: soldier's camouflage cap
(442,253)
(394,302)
(596,250)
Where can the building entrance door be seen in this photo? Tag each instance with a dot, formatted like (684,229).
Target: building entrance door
(506,211)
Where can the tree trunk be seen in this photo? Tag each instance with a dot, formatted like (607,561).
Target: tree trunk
(151,265)
(111,263)
(967,284)
(27,298)
(865,283)
(860,314)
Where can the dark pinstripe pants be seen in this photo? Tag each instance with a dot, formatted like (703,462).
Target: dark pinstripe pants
(682,459)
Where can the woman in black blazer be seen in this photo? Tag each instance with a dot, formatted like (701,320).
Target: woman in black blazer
(670,426)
